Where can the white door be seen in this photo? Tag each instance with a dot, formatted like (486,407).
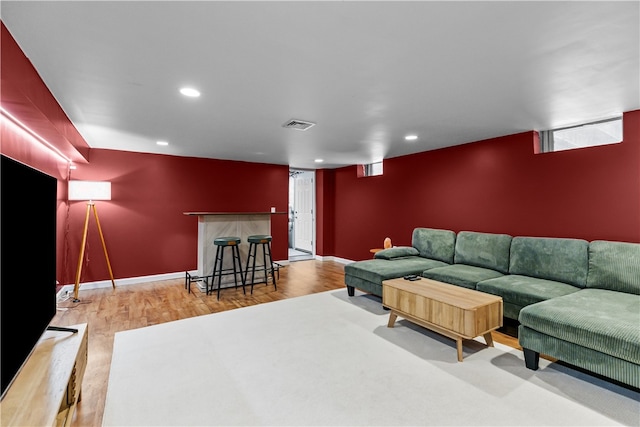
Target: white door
(303,211)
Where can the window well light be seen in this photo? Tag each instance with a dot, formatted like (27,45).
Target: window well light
(190,92)
(411,137)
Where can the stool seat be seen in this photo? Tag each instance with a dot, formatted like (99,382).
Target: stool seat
(259,238)
(226,241)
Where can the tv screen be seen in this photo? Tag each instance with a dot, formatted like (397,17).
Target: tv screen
(27,262)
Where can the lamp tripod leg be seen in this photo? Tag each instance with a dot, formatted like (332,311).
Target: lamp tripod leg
(104,246)
(76,287)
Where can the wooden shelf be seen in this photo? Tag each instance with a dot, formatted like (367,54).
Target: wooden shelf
(47,388)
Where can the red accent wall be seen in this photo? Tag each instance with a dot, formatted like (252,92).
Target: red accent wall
(145,230)
(499,185)
(325,212)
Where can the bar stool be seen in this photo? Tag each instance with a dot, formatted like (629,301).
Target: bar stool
(218,270)
(265,241)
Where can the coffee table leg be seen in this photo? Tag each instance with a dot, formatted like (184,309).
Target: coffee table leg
(392,319)
(459,347)
(489,339)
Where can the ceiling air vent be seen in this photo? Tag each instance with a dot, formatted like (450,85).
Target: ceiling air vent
(298,124)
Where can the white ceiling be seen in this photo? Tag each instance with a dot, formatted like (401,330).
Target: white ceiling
(368,73)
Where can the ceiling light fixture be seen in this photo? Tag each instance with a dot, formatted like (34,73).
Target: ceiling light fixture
(163,143)
(319,160)
(190,92)
(411,137)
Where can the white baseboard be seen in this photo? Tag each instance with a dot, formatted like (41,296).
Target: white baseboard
(127,281)
(334,258)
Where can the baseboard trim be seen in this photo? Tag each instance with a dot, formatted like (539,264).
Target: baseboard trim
(127,281)
(333,258)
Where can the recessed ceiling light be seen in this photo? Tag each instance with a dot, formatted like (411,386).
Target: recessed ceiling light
(411,137)
(163,143)
(319,160)
(190,92)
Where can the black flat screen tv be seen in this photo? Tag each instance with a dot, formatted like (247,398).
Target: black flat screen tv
(28,201)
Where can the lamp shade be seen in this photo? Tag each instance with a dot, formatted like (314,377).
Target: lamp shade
(89,190)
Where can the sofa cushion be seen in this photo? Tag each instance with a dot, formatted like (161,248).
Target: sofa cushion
(524,290)
(563,260)
(603,320)
(485,250)
(460,274)
(377,270)
(399,252)
(614,266)
(434,243)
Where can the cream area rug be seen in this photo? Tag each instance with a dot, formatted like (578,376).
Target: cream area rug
(329,359)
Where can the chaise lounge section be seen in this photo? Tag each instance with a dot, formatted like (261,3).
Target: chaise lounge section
(596,328)
(430,248)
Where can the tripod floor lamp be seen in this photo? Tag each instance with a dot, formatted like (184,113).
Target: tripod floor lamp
(90,191)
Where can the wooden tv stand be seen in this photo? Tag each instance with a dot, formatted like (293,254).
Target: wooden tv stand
(47,388)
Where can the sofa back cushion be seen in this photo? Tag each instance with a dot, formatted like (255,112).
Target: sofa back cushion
(434,243)
(614,266)
(484,250)
(559,259)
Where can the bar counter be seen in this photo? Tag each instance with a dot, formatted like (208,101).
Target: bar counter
(222,224)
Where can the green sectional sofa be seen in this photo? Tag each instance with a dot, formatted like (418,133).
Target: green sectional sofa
(576,301)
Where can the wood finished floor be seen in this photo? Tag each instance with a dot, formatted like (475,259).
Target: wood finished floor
(107,311)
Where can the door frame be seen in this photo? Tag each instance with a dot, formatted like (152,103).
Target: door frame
(313,207)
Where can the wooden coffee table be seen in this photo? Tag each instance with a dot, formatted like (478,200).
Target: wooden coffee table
(453,311)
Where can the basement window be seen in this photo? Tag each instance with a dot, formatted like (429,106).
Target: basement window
(592,134)
(371,169)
